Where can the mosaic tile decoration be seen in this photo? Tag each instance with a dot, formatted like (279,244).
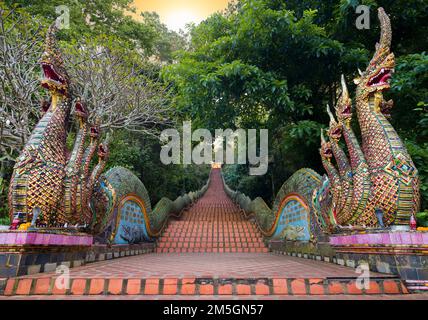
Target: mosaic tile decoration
(293,222)
(384,238)
(131,222)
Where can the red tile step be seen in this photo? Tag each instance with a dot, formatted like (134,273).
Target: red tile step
(204,286)
(213,224)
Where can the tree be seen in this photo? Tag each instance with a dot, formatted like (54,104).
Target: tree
(275,64)
(20,94)
(93,18)
(117,85)
(108,17)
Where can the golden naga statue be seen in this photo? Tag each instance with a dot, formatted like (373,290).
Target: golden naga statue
(379,183)
(48,181)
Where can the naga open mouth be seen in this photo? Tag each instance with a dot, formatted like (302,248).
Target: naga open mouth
(328,152)
(381,78)
(52,79)
(94,132)
(80,110)
(336,132)
(102,151)
(347,111)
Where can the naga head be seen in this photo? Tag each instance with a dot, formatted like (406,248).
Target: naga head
(326,150)
(344,105)
(335,129)
(95,129)
(385,107)
(80,111)
(103,151)
(55,77)
(378,73)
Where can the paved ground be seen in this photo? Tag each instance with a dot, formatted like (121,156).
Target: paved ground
(212,265)
(271,297)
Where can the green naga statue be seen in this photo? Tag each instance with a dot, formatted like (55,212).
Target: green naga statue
(54,188)
(380,175)
(372,185)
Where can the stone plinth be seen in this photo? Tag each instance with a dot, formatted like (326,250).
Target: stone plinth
(28,252)
(39,238)
(404,253)
(382,238)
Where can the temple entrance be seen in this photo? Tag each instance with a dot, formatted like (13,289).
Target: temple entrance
(212,249)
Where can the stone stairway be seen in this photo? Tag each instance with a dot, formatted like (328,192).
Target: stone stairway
(212,224)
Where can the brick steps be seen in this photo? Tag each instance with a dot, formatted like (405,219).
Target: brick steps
(213,224)
(203,286)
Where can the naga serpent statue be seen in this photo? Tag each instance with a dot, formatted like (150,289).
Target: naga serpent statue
(46,176)
(383,174)
(53,188)
(373,185)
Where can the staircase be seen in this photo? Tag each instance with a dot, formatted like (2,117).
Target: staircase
(213,224)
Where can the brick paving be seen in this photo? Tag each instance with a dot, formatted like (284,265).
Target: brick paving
(210,265)
(224,297)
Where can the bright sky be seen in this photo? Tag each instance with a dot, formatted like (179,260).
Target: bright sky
(176,13)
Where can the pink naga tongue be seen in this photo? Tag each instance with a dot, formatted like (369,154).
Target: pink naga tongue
(385,78)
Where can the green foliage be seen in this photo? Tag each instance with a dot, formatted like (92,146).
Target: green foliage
(94,17)
(275,64)
(422,219)
(108,17)
(140,154)
(409,90)
(257,62)
(5,221)
(419,154)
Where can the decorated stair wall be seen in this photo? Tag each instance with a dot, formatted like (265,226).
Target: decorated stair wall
(291,216)
(131,218)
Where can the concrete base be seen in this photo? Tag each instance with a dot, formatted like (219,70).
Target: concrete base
(13,264)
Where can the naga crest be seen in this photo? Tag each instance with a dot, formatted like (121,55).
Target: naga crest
(375,78)
(56,79)
(335,128)
(326,150)
(94,130)
(344,105)
(80,111)
(103,151)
